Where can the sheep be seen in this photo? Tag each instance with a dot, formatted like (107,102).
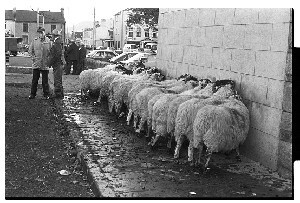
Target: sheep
(141,100)
(185,118)
(221,128)
(121,93)
(159,112)
(137,87)
(105,83)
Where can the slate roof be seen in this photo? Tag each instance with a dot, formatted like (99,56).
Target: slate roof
(30,16)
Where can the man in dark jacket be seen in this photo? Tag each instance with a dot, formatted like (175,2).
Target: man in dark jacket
(56,60)
(82,56)
(66,66)
(73,56)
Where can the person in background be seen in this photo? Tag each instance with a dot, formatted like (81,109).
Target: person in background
(39,52)
(57,60)
(67,60)
(73,56)
(82,58)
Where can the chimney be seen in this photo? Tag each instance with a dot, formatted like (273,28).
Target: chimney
(62,11)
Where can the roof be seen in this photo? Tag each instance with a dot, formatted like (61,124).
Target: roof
(31,16)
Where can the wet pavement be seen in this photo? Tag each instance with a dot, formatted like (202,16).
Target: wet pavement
(119,162)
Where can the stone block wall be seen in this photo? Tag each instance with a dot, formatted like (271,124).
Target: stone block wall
(253,48)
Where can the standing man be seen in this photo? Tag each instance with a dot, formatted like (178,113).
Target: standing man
(82,56)
(39,52)
(73,56)
(56,60)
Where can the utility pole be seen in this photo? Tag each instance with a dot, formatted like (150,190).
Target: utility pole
(94,32)
(37,18)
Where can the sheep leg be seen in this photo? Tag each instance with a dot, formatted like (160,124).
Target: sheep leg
(135,121)
(141,125)
(191,153)
(154,140)
(148,129)
(169,145)
(98,100)
(238,158)
(129,116)
(110,106)
(200,148)
(207,160)
(178,146)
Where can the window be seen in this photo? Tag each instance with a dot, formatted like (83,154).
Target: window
(138,32)
(119,44)
(146,34)
(25,39)
(154,35)
(53,27)
(130,34)
(25,27)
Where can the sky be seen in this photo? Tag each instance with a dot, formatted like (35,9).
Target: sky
(75,11)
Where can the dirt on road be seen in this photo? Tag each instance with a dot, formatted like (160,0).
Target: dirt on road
(39,157)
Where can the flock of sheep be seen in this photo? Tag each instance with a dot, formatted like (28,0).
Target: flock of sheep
(209,114)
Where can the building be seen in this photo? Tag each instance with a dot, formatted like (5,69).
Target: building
(134,34)
(119,30)
(24,23)
(253,47)
(103,35)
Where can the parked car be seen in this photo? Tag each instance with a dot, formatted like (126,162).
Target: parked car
(11,45)
(140,57)
(91,53)
(100,48)
(130,47)
(88,46)
(122,57)
(151,47)
(119,51)
(103,55)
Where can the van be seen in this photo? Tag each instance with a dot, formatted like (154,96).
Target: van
(129,47)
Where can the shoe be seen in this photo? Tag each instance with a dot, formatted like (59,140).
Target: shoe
(31,97)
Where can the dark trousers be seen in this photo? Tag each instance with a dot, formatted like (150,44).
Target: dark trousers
(81,66)
(35,79)
(57,76)
(67,67)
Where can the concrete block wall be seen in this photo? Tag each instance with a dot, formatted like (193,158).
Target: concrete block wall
(251,47)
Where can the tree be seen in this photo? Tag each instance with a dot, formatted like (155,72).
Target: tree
(143,16)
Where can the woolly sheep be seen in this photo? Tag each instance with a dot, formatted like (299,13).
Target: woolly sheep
(105,83)
(221,127)
(141,107)
(132,104)
(172,112)
(181,87)
(184,121)
(137,87)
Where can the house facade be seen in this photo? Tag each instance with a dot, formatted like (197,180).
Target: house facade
(24,23)
(122,34)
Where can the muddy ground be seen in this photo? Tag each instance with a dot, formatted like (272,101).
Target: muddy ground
(123,165)
(44,137)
